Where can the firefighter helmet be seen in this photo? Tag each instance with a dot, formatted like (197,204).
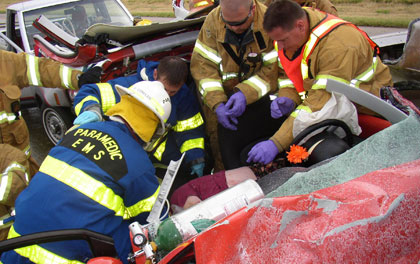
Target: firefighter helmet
(153,95)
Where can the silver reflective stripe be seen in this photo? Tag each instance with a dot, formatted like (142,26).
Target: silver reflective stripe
(285,83)
(65,73)
(228,75)
(207,86)
(270,57)
(7,117)
(207,52)
(258,84)
(6,179)
(33,68)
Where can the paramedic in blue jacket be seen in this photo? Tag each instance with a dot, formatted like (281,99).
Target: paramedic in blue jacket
(187,129)
(98,177)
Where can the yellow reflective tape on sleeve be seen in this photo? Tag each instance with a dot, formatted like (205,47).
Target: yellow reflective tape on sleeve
(65,76)
(321,81)
(226,76)
(366,75)
(7,117)
(207,52)
(285,83)
(270,57)
(144,205)
(27,151)
(208,85)
(261,86)
(107,96)
(38,254)
(191,144)
(7,179)
(295,113)
(190,123)
(79,106)
(159,151)
(32,70)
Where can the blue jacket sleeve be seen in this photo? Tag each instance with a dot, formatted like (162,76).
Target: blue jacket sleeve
(189,128)
(105,92)
(101,92)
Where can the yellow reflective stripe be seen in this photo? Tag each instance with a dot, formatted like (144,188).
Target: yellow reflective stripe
(32,70)
(192,143)
(228,76)
(159,151)
(207,52)
(107,96)
(65,76)
(321,81)
(295,113)
(366,75)
(313,38)
(38,254)
(144,205)
(157,107)
(201,3)
(188,124)
(261,86)
(285,83)
(270,57)
(279,64)
(7,117)
(7,179)
(27,151)
(79,106)
(209,85)
(82,182)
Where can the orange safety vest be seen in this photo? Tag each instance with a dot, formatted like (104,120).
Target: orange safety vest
(324,27)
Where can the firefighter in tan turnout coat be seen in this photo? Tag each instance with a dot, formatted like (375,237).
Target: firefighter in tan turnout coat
(22,70)
(233,59)
(14,168)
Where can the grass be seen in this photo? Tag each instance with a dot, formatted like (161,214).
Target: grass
(387,13)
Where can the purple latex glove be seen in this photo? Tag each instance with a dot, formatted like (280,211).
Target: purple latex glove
(224,117)
(236,104)
(263,152)
(281,106)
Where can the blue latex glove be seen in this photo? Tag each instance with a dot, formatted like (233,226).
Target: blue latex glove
(197,169)
(263,152)
(86,117)
(236,104)
(225,118)
(281,106)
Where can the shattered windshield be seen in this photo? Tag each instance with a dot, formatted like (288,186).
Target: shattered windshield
(75,17)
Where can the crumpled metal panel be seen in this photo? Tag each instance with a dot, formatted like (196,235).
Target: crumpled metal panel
(371,219)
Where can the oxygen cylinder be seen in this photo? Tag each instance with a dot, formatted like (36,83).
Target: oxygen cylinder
(182,226)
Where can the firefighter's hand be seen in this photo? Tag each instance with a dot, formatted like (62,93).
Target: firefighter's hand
(236,104)
(263,152)
(281,106)
(224,118)
(93,75)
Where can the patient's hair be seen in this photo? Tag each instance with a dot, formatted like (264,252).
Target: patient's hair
(173,69)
